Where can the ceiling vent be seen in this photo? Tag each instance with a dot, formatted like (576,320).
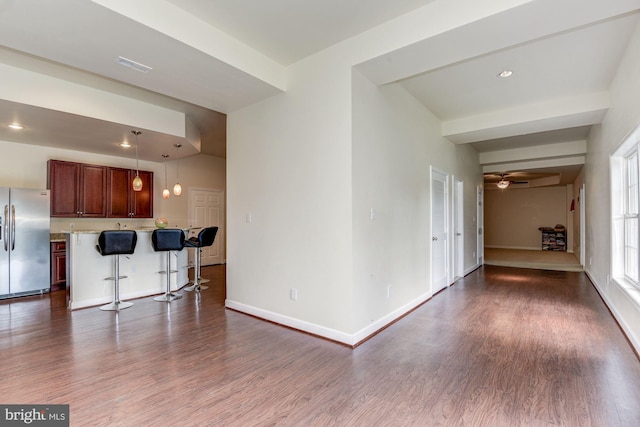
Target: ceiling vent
(133,64)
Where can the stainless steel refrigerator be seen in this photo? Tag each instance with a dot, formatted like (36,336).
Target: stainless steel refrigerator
(24,242)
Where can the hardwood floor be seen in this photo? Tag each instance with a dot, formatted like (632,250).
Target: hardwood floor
(502,347)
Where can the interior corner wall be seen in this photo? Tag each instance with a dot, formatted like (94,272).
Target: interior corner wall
(512,217)
(289,202)
(395,140)
(622,117)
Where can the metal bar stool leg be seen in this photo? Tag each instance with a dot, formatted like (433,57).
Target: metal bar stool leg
(168,296)
(197,281)
(116,304)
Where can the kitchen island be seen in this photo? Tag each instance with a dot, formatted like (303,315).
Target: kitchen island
(87,270)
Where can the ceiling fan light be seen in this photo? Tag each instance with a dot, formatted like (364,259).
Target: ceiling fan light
(502,184)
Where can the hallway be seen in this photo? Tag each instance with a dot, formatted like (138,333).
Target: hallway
(502,347)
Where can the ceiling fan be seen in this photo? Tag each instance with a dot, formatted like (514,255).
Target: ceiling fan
(503,180)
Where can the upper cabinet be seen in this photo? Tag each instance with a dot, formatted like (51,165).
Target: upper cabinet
(77,190)
(90,191)
(122,201)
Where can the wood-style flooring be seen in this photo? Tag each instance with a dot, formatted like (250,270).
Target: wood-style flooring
(502,347)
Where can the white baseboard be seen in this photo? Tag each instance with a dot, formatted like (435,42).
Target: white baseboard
(323,331)
(625,327)
(471,269)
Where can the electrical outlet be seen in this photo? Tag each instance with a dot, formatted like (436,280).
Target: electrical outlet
(372,214)
(389,291)
(293,294)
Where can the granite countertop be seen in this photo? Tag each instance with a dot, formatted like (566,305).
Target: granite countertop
(142,229)
(57,237)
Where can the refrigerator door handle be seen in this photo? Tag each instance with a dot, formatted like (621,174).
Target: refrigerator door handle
(13,227)
(6,226)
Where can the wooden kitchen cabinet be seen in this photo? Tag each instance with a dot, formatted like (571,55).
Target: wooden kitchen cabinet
(77,189)
(92,191)
(122,201)
(58,265)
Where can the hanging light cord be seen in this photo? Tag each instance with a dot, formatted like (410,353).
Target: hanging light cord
(165,168)
(136,133)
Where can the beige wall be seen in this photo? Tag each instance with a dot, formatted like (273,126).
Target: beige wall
(512,216)
(25,166)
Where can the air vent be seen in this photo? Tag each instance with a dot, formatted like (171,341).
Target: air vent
(133,64)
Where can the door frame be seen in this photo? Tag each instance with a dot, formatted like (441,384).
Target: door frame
(480,227)
(445,178)
(457,229)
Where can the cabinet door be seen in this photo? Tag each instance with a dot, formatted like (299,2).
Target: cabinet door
(58,266)
(93,190)
(142,201)
(118,193)
(64,180)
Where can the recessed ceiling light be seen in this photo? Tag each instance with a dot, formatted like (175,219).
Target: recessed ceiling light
(505,73)
(16,126)
(125,144)
(133,64)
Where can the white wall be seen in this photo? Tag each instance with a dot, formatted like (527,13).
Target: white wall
(395,139)
(622,118)
(295,169)
(25,166)
(289,169)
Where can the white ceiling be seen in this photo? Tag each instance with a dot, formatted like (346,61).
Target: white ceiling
(563,56)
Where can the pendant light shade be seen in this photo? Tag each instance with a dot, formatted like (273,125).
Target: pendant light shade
(177,189)
(137,182)
(165,193)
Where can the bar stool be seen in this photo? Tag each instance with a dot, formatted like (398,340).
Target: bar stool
(115,243)
(205,238)
(167,240)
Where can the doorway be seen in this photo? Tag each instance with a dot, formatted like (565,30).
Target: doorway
(439,230)
(480,225)
(458,229)
(206,209)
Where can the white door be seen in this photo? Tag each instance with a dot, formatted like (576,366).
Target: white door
(458,229)
(480,226)
(582,205)
(206,209)
(439,228)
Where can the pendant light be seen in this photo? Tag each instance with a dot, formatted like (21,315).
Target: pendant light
(177,189)
(137,182)
(165,193)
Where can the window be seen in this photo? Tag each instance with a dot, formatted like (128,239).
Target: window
(625,210)
(631,218)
